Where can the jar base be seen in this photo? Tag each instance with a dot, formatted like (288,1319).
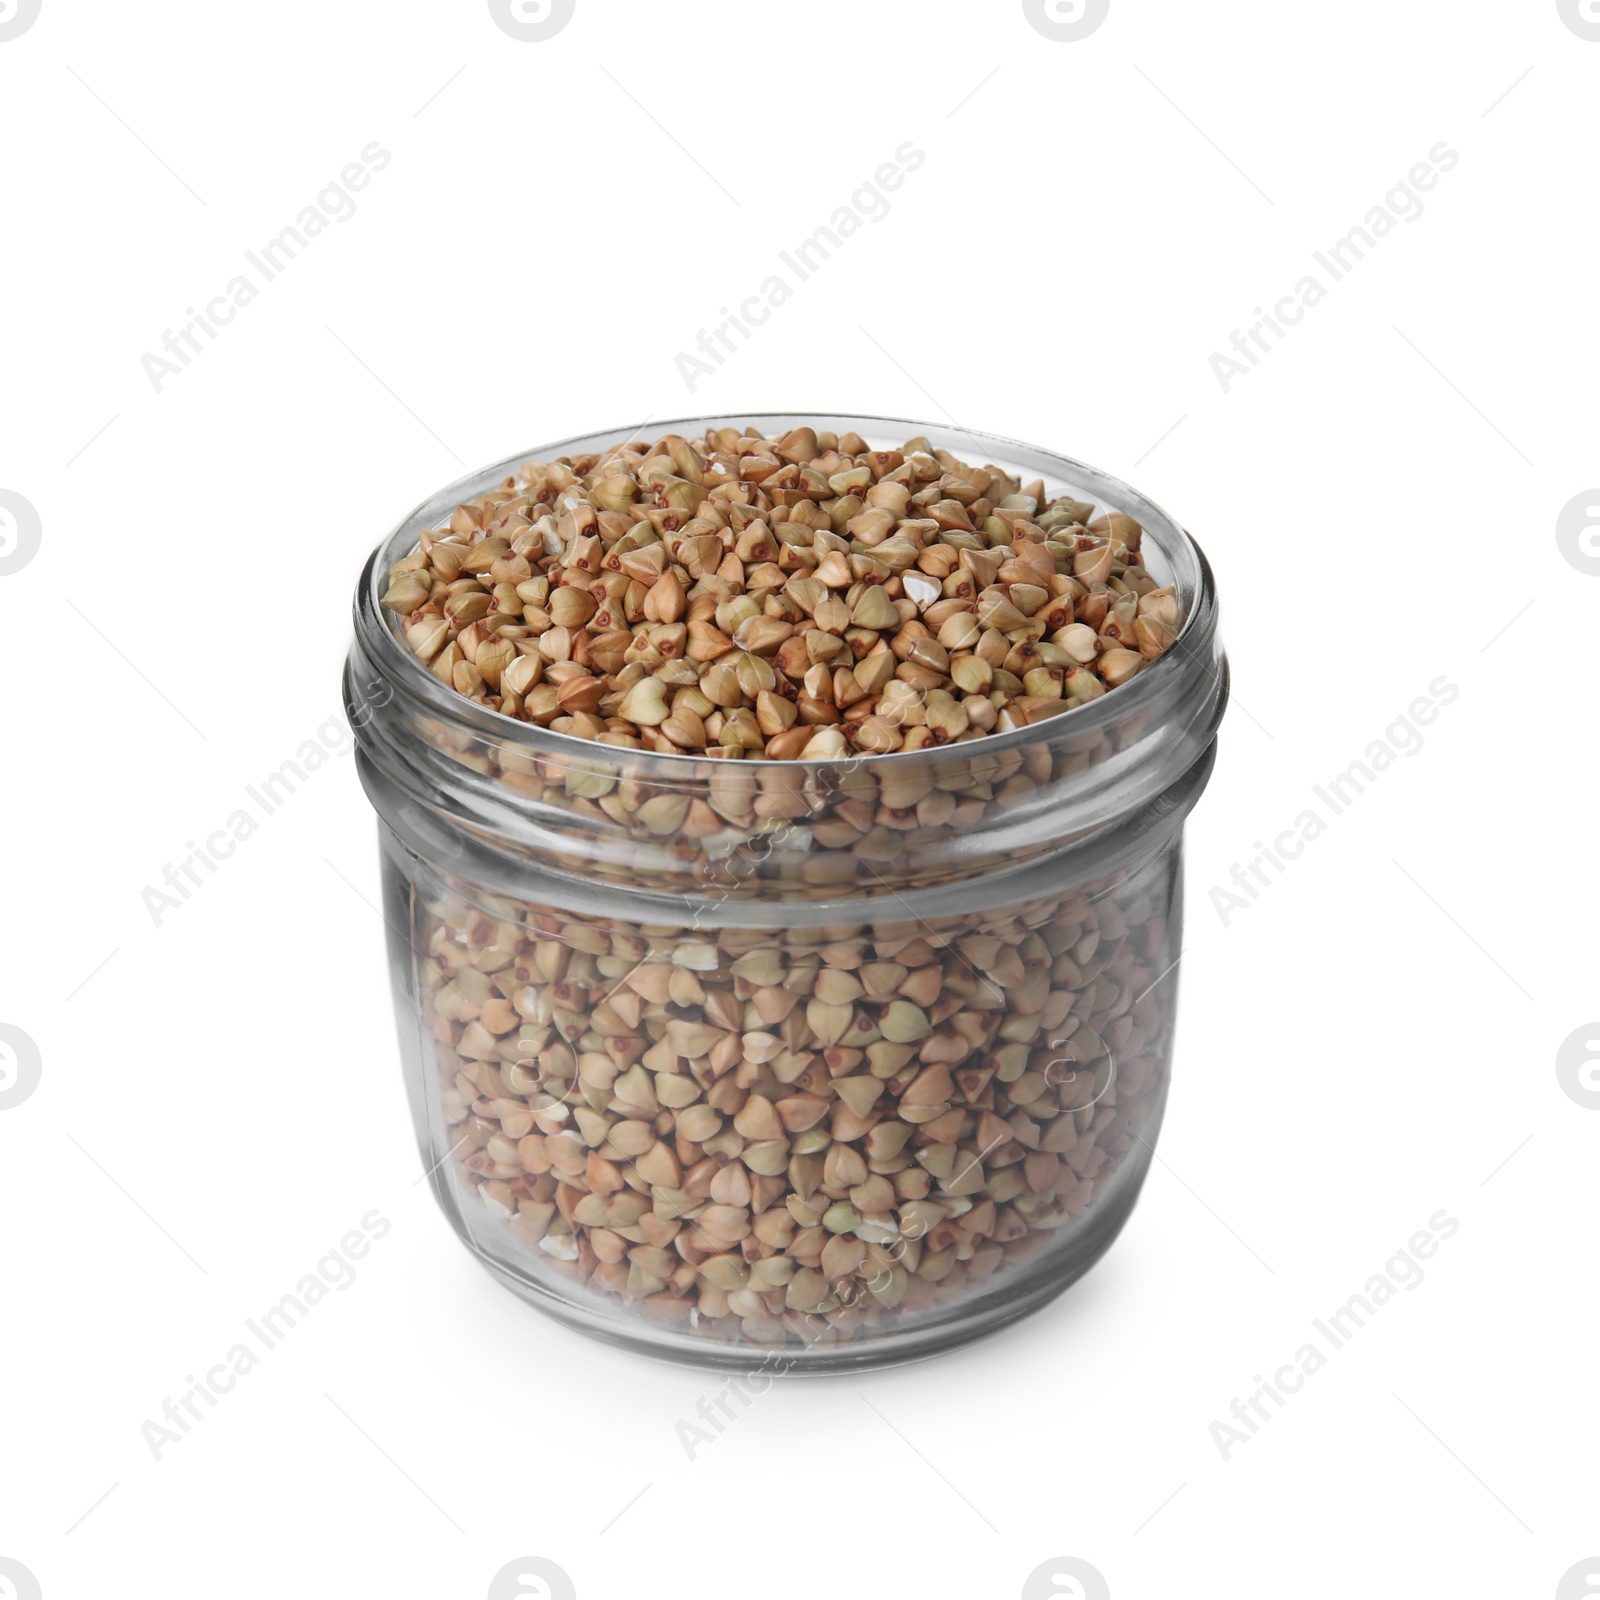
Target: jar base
(1015,1295)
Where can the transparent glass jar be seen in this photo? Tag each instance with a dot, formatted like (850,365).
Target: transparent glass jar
(804,1065)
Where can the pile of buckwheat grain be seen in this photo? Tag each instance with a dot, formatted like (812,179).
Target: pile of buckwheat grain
(795,597)
(801,1136)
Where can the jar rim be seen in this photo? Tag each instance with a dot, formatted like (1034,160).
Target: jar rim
(1190,574)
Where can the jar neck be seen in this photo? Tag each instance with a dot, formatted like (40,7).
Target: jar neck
(443,857)
(786,829)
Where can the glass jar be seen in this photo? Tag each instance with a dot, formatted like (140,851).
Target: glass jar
(796,1064)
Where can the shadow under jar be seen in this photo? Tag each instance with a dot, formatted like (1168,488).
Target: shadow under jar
(812,1064)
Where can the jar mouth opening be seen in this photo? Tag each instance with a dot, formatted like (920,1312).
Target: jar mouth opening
(1182,563)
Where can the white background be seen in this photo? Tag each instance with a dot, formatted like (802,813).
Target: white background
(1373,1040)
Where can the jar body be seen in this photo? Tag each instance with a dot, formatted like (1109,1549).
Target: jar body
(821,1146)
(787,1064)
